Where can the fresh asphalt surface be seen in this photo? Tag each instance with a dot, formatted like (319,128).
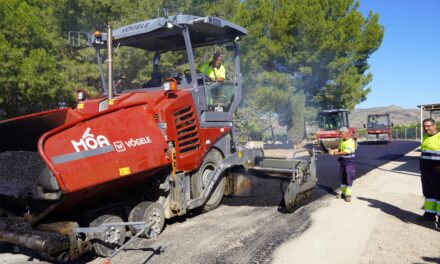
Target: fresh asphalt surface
(368,157)
(242,229)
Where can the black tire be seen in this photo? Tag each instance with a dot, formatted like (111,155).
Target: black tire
(104,244)
(146,212)
(200,178)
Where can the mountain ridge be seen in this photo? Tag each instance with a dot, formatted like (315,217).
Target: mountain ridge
(398,115)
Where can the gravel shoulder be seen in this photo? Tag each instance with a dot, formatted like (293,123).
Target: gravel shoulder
(379,225)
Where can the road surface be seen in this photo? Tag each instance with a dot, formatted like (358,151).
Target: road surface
(243,229)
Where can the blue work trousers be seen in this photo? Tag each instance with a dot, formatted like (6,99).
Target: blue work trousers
(347,172)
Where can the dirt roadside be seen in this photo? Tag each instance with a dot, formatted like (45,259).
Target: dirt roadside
(378,226)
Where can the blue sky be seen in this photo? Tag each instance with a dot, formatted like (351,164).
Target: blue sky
(406,68)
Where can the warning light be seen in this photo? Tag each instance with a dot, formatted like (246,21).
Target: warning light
(170,85)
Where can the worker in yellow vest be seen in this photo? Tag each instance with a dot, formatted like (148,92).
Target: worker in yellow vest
(214,69)
(430,170)
(347,172)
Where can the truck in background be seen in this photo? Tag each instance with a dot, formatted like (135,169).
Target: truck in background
(378,128)
(329,122)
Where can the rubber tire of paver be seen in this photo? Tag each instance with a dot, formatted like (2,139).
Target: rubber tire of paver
(199,179)
(147,211)
(117,235)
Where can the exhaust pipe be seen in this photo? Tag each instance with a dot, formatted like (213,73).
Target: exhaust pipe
(110,61)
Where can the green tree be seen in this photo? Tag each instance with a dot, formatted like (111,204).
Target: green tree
(31,77)
(323,45)
(298,53)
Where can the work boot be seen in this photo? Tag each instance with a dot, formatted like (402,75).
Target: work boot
(340,195)
(348,198)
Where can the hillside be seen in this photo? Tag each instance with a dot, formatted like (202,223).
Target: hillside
(398,115)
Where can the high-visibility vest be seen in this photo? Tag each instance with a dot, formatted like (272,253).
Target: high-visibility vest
(213,72)
(348,146)
(431,147)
